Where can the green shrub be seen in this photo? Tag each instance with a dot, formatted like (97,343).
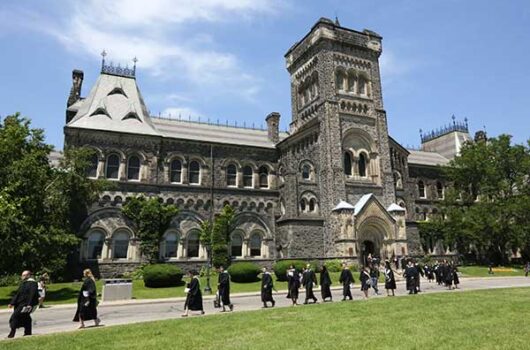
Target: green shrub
(9,280)
(280,268)
(354,268)
(244,272)
(334,265)
(162,275)
(136,274)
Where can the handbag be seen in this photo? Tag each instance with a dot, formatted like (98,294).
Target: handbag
(217,301)
(186,290)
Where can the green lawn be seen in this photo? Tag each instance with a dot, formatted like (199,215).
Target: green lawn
(492,319)
(64,293)
(482,271)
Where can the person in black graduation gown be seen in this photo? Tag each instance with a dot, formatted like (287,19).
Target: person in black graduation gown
(366,280)
(223,286)
(194,295)
(419,269)
(24,302)
(448,276)
(267,285)
(410,275)
(87,301)
(309,280)
(456,280)
(346,278)
(390,280)
(290,273)
(325,284)
(294,285)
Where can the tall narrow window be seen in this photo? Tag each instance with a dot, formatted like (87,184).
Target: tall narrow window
(133,168)
(170,245)
(121,245)
(255,245)
(92,168)
(247,176)
(347,164)
(421,189)
(312,205)
(193,244)
(306,172)
(362,86)
(362,165)
(440,190)
(175,171)
(95,245)
(351,83)
(113,166)
(303,205)
(263,177)
(340,80)
(231,175)
(194,173)
(236,244)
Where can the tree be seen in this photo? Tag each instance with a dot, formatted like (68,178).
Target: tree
(41,207)
(488,212)
(151,219)
(216,236)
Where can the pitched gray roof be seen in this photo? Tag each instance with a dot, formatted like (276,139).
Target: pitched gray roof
(426,158)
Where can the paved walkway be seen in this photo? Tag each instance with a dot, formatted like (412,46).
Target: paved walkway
(59,318)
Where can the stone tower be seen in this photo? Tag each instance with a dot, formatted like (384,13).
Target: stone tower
(338,127)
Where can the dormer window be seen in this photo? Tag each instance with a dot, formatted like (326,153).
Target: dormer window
(117,91)
(100,111)
(131,115)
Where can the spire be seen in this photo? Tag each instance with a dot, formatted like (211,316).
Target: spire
(337,23)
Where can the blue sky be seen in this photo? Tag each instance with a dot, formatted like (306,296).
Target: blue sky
(224,59)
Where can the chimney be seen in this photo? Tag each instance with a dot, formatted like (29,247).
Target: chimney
(75,92)
(273,126)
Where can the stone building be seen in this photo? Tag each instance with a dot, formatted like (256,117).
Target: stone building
(336,186)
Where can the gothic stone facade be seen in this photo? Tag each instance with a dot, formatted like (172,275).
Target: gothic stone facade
(335,187)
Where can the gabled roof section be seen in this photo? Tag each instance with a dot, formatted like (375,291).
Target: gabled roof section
(394,207)
(104,109)
(362,202)
(343,206)
(426,158)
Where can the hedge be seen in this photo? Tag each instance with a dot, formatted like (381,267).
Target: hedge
(244,272)
(162,275)
(280,268)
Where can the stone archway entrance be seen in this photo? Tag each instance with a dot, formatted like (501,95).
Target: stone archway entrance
(368,248)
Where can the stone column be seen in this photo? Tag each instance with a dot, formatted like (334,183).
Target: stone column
(180,248)
(100,174)
(184,172)
(245,249)
(122,172)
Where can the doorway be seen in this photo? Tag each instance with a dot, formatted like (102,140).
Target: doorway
(367,250)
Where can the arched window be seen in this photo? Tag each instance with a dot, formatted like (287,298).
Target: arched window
(263,177)
(236,245)
(120,245)
(170,245)
(421,189)
(303,205)
(255,244)
(347,163)
(281,175)
(351,83)
(440,190)
(95,245)
(113,166)
(247,176)
(133,168)
(361,88)
(175,171)
(306,172)
(231,175)
(362,165)
(398,182)
(194,174)
(92,168)
(340,77)
(312,205)
(193,244)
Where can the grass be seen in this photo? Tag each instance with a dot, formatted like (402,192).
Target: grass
(491,319)
(482,271)
(65,293)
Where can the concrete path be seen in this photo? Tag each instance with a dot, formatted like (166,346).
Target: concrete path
(59,318)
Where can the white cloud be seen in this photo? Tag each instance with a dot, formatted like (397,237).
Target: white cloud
(158,33)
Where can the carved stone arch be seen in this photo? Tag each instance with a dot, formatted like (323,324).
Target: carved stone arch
(250,163)
(185,221)
(98,150)
(134,152)
(355,138)
(227,161)
(175,155)
(113,150)
(250,221)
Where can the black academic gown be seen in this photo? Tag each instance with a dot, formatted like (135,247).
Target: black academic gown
(266,287)
(448,277)
(346,278)
(364,277)
(86,306)
(27,295)
(456,280)
(309,279)
(194,297)
(224,288)
(410,274)
(294,285)
(390,280)
(325,285)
